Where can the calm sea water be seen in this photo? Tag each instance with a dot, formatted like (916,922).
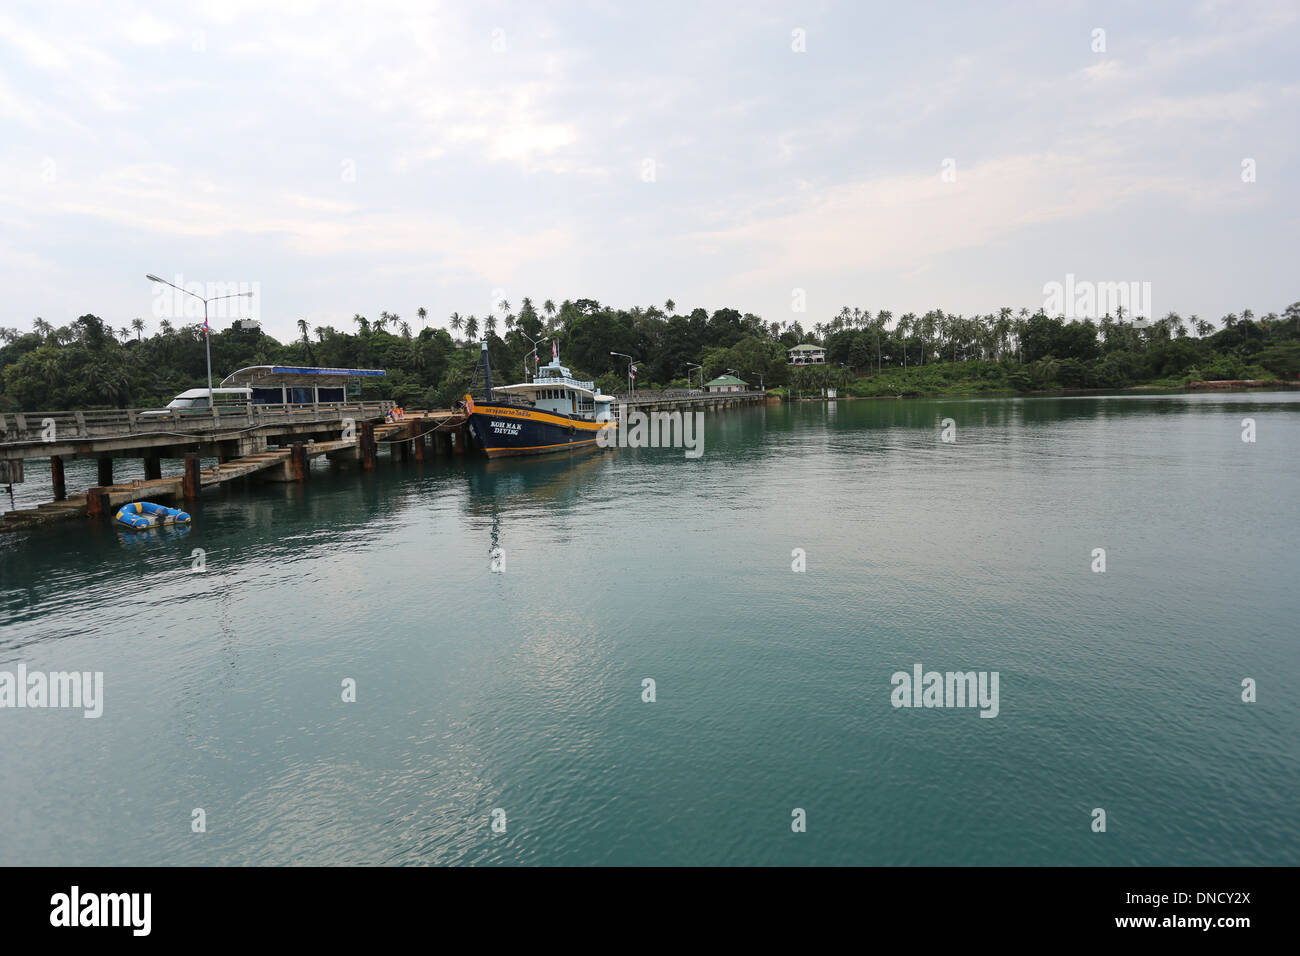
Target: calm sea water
(522,690)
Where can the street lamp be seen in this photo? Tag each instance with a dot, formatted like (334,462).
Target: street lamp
(535,344)
(689,366)
(631,364)
(207,336)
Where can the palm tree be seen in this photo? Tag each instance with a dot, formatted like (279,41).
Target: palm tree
(363,324)
(490,324)
(165,327)
(138,325)
(510,321)
(406,330)
(549,308)
(422,314)
(670,306)
(456,322)
(42,327)
(471,328)
(504,305)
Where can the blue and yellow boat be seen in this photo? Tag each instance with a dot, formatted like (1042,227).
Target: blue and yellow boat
(554,412)
(140,515)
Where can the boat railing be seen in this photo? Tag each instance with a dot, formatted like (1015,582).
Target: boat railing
(557,380)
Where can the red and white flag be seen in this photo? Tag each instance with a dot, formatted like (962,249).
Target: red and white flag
(555,351)
(633,371)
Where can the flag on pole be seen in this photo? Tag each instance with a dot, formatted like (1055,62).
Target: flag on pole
(632,371)
(555,351)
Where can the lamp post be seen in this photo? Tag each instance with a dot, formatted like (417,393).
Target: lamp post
(207,336)
(631,363)
(689,366)
(535,344)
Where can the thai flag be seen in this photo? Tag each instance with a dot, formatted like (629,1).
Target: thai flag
(205,324)
(633,371)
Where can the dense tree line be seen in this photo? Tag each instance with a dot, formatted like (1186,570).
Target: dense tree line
(89,364)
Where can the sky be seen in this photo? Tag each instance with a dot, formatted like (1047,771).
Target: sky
(785,159)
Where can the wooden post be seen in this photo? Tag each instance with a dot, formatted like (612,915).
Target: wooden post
(301,464)
(419,448)
(97,504)
(191,485)
(152,467)
(105,471)
(56,476)
(367,449)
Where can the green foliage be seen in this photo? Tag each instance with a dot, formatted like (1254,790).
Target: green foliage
(89,364)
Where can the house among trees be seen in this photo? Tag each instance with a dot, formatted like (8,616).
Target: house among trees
(807,355)
(726,383)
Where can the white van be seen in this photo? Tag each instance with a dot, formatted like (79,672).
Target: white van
(199,399)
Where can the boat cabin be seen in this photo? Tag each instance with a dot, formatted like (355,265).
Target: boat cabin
(554,389)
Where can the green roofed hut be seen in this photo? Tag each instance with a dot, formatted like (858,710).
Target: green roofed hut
(726,383)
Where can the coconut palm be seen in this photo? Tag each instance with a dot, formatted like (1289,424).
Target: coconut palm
(456,322)
(670,306)
(471,328)
(490,324)
(422,314)
(405,329)
(363,324)
(138,325)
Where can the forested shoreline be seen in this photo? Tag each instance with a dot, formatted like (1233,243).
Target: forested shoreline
(89,363)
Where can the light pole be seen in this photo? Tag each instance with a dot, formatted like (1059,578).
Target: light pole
(535,344)
(689,366)
(207,336)
(761,386)
(631,364)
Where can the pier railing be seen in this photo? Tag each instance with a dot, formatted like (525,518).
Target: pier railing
(682,396)
(114,423)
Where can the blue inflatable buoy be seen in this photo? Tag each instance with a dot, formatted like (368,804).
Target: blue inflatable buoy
(145,514)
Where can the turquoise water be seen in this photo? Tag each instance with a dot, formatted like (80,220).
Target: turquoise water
(522,690)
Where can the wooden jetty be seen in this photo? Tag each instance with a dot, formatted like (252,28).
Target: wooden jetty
(276,443)
(273,442)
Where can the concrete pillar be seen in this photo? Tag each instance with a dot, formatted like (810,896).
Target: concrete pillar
(367,446)
(191,485)
(300,462)
(97,505)
(56,477)
(105,471)
(152,467)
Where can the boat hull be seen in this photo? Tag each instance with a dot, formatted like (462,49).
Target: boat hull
(503,430)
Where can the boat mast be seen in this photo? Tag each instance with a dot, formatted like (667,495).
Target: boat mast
(487,374)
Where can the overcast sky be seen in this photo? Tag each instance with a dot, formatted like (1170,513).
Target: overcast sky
(369,156)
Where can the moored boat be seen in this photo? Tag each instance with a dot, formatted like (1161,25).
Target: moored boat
(554,412)
(139,515)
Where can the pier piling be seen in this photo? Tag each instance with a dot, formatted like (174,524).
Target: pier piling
(191,485)
(56,477)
